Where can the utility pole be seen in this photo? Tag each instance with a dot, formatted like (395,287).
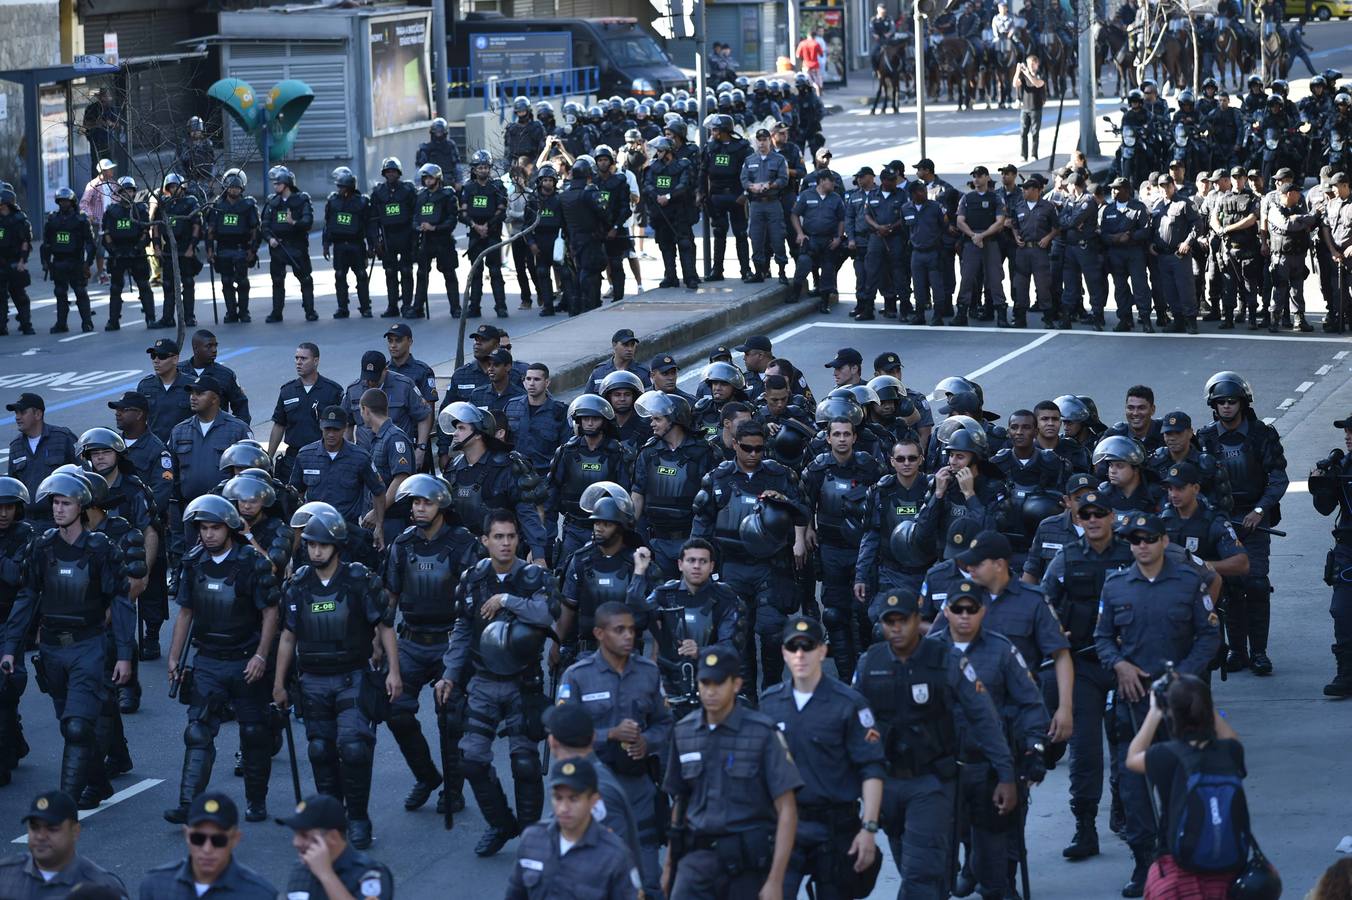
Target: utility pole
(919,76)
(701,83)
(441,77)
(1084,20)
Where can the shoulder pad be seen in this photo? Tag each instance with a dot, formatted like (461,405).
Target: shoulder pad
(724,468)
(46,537)
(406,535)
(303,197)
(669,585)
(703,403)
(98,541)
(481,569)
(532,577)
(771,466)
(299,574)
(197,551)
(332,194)
(819,462)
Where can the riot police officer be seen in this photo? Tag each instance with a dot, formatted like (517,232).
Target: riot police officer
(483,209)
(1153,613)
(1234,220)
(915,688)
(523,136)
(961,489)
(891,555)
(831,734)
(1288,226)
(818,220)
(751,509)
(1127,488)
(332,612)
(599,572)
(232,244)
(669,185)
(393,203)
(287,218)
(981,220)
(721,191)
(1180,445)
(621,692)
(1083,260)
(255,496)
(15,536)
(593,454)
(834,486)
(178,211)
(544,212)
(126,233)
(586,219)
(486,476)
(227,610)
(441,151)
(68,251)
(1251,452)
(495,646)
(1329,485)
(667,477)
(1173,235)
(421,575)
(75,582)
(348,229)
(16,242)
(613,187)
(436,212)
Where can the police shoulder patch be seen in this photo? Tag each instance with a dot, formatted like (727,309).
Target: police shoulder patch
(370,885)
(866,717)
(1207,604)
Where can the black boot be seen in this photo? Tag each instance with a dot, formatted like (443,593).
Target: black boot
(1001,318)
(355,766)
(150,641)
(77,755)
(1141,868)
(408,735)
(256,765)
(488,793)
(324,764)
(129,697)
(1341,685)
(1117,814)
(528,784)
(197,763)
(1085,843)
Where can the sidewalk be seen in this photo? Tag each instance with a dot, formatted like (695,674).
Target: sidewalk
(672,320)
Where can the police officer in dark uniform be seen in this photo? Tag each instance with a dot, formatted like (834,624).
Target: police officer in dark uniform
(669,186)
(586,221)
(523,136)
(319,821)
(196,452)
(404,402)
(287,218)
(1196,527)
(255,496)
(929,223)
(835,485)
(537,422)
(1180,446)
(332,612)
(485,476)
(882,233)
(752,510)
(348,228)
(1127,488)
(421,574)
(16,242)
(593,454)
(818,220)
(1234,219)
(1252,455)
(725,383)
(1124,228)
(961,489)
(483,209)
(232,244)
(295,419)
(1288,226)
(1034,223)
(915,688)
(1056,531)
(75,582)
(831,730)
(178,210)
(1083,259)
(621,390)
(126,233)
(613,187)
(15,536)
(393,203)
(336,471)
(982,214)
(68,251)
(219,872)
(621,692)
(599,572)
(720,191)
(441,151)
(891,555)
(1173,236)
(436,212)
(494,657)
(544,206)
(667,477)
(732,780)
(1329,491)
(227,609)
(399,342)
(202,361)
(1033,479)
(1154,613)
(40,448)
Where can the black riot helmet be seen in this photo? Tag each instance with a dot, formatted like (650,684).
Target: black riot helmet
(245,455)
(429,170)
(101,439)
(426,487)
(836,406)
(582,168)
(727,373)
(1119,448)
(863,394)
(473,416)
(619,510)
(1225,385)
(945,430)
(213,508)
(791,440)
(906,546)
(590,405)
(321,530)
(65,484)
(621,379)
(1073,409)
(437,128)
(283,175)
(391,163)
(659,403)
(1259,880)
(317,509)
(98,486)
(597,491)
(344,177)
(249,488)
(887,387)
(768,529)
(967,441)
(12,490)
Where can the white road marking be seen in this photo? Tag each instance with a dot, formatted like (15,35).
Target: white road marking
(1323,370)
(949,329)
(1268,420)
(1304,386)
(1286,404)
(1341,354)
(1298,487)
(76,337)
(1013,354)
(121,795)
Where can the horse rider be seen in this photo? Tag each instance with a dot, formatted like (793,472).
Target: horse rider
(880,28)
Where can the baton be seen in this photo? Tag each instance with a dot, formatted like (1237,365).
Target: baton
(215,312)
(1263,528)
(285,713)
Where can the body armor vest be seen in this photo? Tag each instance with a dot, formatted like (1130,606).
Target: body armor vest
(70,590)
(12,544)
(1084,584)
(222,618)
(429,577)
(840,510)
(332,634)
(673,480)
(583,468)
(600,579)
(913,707)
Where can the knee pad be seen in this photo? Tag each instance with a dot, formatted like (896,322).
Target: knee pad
(255,736)
(78,730)
(197,735)
(355,753)
(526,767)
(476,770)
(833,617)
(321,751)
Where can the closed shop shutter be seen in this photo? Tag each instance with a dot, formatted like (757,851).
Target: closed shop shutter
(325,131)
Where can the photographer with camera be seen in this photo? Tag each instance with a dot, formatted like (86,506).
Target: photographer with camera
(1153,611)
(1330,490)
(1201,854)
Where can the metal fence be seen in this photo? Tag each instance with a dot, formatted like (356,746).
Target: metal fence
(498,93)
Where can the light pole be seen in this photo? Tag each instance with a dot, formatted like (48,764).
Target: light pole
(919,76)
(1089,144)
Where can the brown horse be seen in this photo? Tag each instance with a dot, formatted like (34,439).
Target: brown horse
(955,64)
(1172,60)
(1110,43)
(1231,56)
(1277,54)
(890,68)
(1058,62)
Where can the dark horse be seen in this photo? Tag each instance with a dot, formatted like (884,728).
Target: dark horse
(955,61)
(1110,43)
(1002,61)
(1058,63)
(1232,55)
(889,68)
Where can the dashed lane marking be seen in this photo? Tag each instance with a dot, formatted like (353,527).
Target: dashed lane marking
(124,794)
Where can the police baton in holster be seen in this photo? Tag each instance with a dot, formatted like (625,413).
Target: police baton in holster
(474,269)
(283,714)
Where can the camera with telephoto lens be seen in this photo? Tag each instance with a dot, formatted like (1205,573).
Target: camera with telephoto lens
(1332,461)
(1160,688)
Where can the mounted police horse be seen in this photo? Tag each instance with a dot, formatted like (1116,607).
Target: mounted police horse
(1000,62)
(890,69)
(1111,43)
(955,65)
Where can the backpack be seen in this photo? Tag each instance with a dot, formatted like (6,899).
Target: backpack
(1208,822)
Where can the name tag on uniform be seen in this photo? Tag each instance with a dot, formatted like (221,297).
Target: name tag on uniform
(690,757)
(533,864)
(598,695)
(64,571)
(292,400)
(311,472)
(465,387)
(213,586)
(603,581)
(938,596)
(18,459)
(1050,546)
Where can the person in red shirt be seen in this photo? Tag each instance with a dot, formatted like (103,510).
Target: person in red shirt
(810,53)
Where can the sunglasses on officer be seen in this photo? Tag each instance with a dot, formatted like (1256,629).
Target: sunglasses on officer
(751,448)
(218,838)
(800,646)
(1140,537)
(906,457)
(964,610)
(1093,512)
